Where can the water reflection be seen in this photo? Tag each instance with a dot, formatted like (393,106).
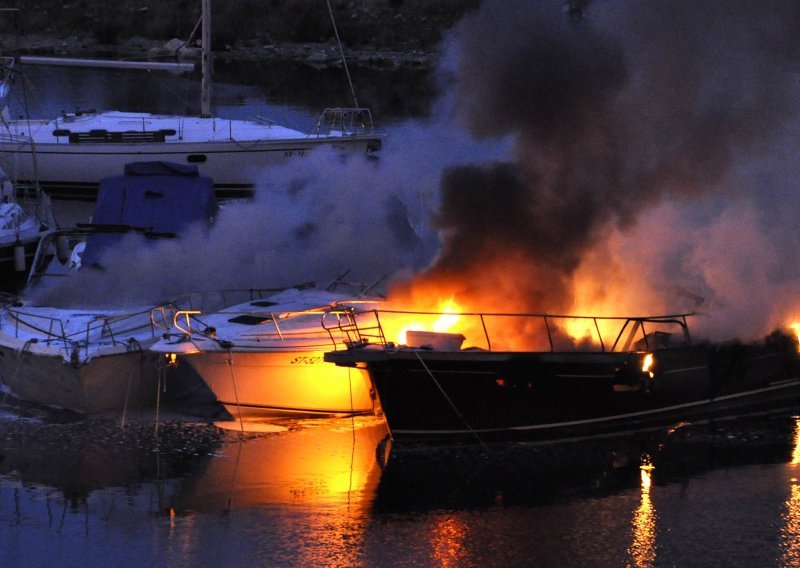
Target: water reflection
(642,551)
(290,93)
(325,463)
(447,541)
(301,497)
(322,493)
(790,531)
(88,492)
(418,479)
(76,458)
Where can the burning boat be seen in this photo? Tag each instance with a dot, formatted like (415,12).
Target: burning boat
(263,358)
(91,357)
(632,373)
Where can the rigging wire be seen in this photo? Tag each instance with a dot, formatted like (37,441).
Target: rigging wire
(341,52)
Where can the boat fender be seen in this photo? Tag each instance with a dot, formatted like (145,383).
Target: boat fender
(19,256)
(75,356)
(62,249)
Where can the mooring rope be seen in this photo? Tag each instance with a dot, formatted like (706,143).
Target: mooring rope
(229,503)
(18,365)
(158,402)
(450,402)
(127,396)
(235,391)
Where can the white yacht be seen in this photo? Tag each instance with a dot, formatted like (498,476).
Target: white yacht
(264,358)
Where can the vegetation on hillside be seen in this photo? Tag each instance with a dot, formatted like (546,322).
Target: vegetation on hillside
(363,24)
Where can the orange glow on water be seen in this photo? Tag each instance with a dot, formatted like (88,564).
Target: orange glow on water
(796,440)
(643,548)
(790,531)
(332,465)
(447,542)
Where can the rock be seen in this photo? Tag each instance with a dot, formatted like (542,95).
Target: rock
(318,57)
(174,45)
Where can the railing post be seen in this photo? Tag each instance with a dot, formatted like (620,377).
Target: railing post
(275,323)
(549,334)
(599,336)
(486,332)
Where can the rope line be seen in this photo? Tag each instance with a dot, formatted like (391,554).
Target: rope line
(450,402)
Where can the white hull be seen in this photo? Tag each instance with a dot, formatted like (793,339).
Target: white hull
(235,154)
(87,361)
(283,383)
(107,382)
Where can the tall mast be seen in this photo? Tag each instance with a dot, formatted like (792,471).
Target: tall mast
(207,64)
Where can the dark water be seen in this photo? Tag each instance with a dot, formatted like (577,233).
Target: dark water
(336,493)
(289,93)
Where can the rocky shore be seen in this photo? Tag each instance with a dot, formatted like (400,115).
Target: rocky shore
(314,54)
(375,33)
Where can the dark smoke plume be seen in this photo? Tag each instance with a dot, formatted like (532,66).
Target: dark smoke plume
(631,106)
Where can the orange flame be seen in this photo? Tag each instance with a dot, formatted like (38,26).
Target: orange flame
(795,326)
(452,305)
(504,289)
(449,317)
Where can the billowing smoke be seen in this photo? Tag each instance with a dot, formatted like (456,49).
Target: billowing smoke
(649,141)
(630,157)
(312,220)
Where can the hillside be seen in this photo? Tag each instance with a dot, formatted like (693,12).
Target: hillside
(374,31)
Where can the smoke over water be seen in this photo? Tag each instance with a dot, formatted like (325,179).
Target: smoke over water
(652,144)
(637,160)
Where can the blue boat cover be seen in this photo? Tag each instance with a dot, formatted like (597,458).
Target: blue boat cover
(160,197)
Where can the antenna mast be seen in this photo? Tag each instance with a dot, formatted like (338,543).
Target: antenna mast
(206,62)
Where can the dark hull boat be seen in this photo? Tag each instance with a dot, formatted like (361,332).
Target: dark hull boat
(438,391)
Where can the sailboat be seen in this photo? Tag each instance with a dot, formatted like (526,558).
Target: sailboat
(70,154)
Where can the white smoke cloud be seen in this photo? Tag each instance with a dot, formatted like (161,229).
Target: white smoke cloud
(309,221)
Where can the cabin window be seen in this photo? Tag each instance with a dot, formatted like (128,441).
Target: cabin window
(196,158)
(250,320)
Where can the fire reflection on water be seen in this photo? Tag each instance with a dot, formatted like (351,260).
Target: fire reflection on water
(790,531)
(447,540)
(329,464)
(642,551)
(329,471)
